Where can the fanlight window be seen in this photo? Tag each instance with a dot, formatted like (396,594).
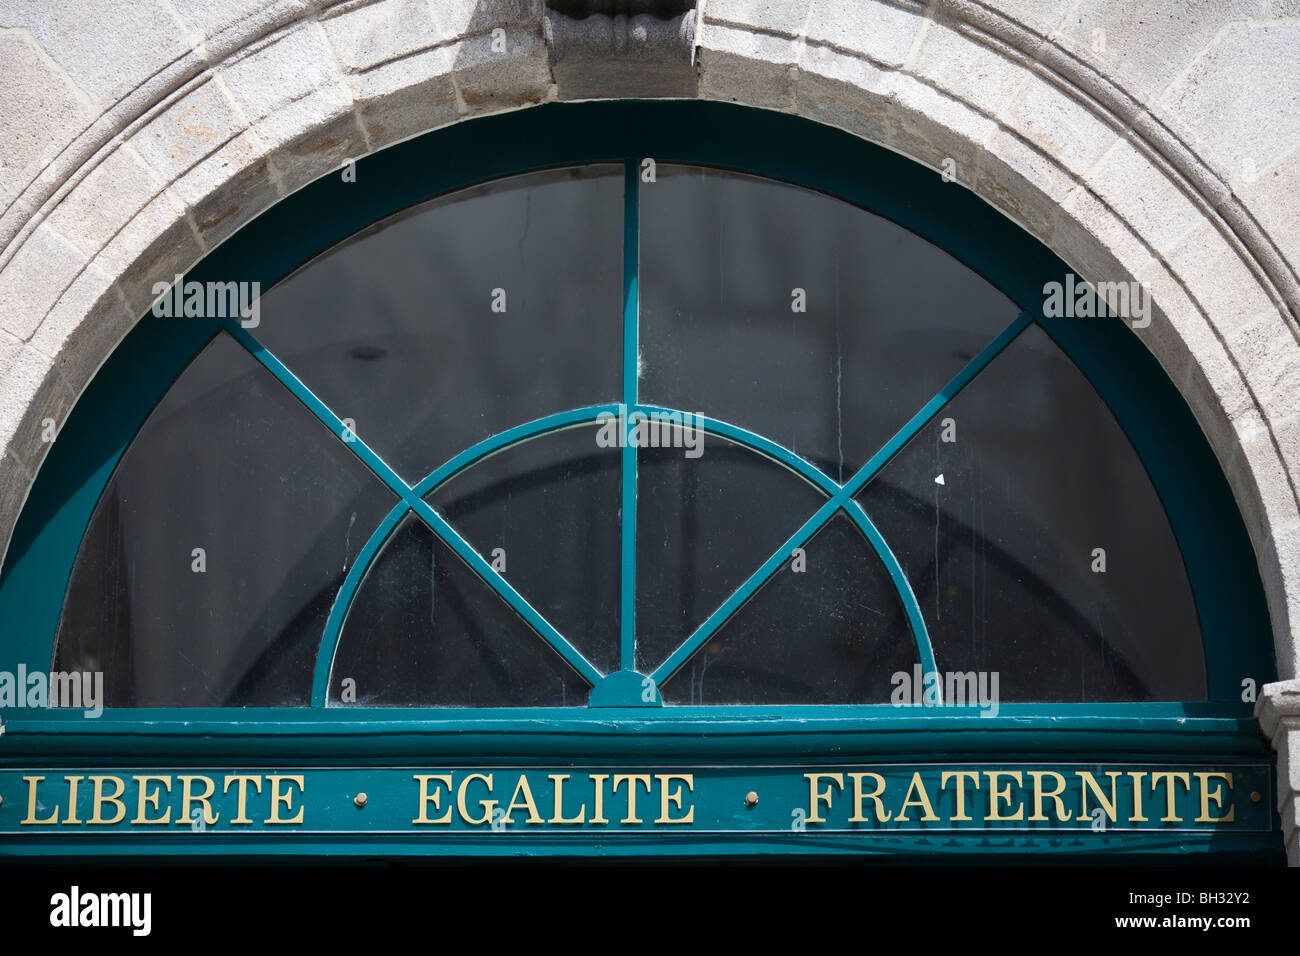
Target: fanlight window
(571,436)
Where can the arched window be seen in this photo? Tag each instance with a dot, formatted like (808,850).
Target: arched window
(800,373)
(658,429)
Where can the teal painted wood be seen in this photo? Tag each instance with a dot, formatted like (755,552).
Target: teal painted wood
(1224,849)
(1118,731)
(1216,549)
(507,438)
(710,794)
(631,390)
(521,433)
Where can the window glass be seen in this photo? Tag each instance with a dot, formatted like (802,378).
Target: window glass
(424,630)
(464,316)
(703,526)
(545,513)
(1022,518)
(825,629)
(215,553)
(810,321)
(1040,486)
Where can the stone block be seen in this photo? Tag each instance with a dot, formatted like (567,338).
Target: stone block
(110,195)
(193,127)
(745,67)
(41,111)
(33,279)
(228,188)
(1238,104)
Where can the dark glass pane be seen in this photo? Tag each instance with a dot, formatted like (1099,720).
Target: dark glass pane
(396,328)
(1001,554)
(548,510)
(229,462)
(704,525)
(424,630)
(832,633)
(889,317)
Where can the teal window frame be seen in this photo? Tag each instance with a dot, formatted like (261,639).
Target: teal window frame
(1220,562)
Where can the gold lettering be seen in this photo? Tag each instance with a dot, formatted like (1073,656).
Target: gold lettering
(30,820)
(1169,777)
(487,805)
(435,798)
(558,780)
(143,798)
(73,783)
(631,779)
(1216,796)
(528,804)
(917,785)
(188,798)
(996,795)
(1111,806)
(665,797)
(1137,776)
(1054,795)
(816,797)
(962,776)
(100,799)
(278,798)
(860,799)
(598,815)
(241,805)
